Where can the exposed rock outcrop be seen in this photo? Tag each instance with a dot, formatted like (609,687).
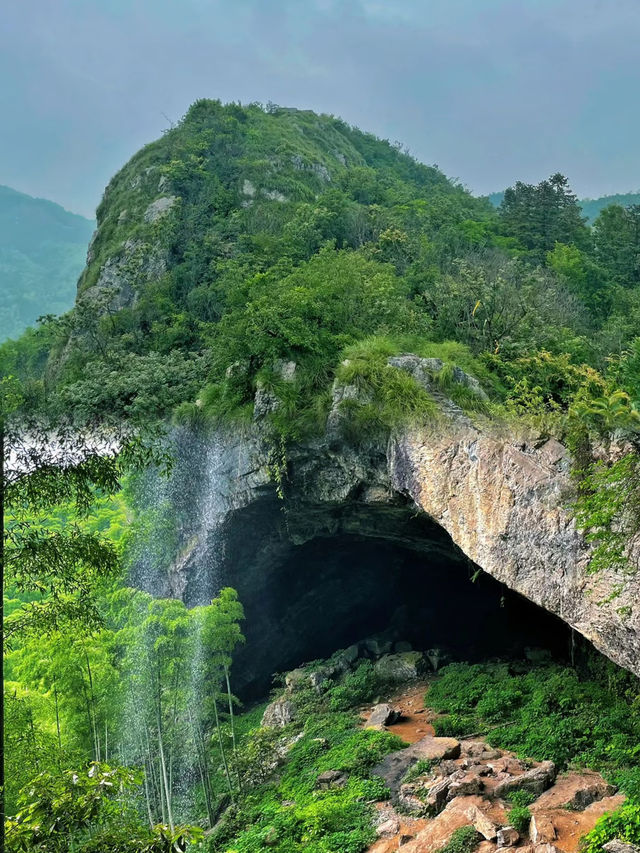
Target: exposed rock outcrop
(499,499)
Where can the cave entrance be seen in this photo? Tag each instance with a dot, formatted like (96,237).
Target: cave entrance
(314,583)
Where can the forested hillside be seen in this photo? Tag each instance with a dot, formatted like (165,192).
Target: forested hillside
(593,207)
(42,252)
(247,235)
(246,265)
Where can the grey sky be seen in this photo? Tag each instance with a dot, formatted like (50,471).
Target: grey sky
(490,90)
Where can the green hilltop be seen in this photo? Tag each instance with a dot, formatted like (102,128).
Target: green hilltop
(249,236)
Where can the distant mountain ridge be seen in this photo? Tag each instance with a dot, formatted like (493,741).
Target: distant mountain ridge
(42,253)
(591,207)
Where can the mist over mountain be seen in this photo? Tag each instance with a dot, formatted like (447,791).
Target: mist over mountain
(42,252)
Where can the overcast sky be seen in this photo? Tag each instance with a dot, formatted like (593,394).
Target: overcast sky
(490,90)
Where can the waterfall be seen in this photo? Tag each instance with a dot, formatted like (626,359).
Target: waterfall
(176,552)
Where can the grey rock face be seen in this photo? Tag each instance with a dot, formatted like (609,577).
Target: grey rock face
(405,666)
(159,207)
(331,779)
(503,499)
(123,275)
(279,714)
(394,766)
(617,846)
(508,836)
(504,504)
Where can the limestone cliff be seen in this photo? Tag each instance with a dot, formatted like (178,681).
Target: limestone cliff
(502,500)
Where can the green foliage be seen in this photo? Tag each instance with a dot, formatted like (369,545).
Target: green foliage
(386,397)
(623,824)
(548,713)
(543,215)
(293,815)
(358,686)
(617,243)
(519,817)
(607,509)
(420,768)
(582,276)
(455,725)
(552,379)
(520,799)
(87,811)
(463,840)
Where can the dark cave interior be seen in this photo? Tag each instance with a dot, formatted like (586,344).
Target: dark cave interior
(367,572)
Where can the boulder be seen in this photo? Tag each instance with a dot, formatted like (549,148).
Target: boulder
(482,823)
(618,846)
(479,750)
(536,781)
(331,779)
(377,646)
(541,829)
(394,766)
(295,679)
(575,791)
(508,836)
(437,795)
(300,678)
(345,658)
(404,666)
(382,715)
(389,828)
(464,785)
(437,833)
(411,800)
(423,369)
(279,714)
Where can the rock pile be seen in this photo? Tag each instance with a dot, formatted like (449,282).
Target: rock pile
(468,783)
(394,662)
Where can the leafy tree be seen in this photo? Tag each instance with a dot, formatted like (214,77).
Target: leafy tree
(498,305)
(617,243)
(89,810)
(541,215)
(582,277)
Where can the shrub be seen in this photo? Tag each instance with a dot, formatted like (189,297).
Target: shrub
(359,686)
(519,817)
(420,768)
(623,824)
(463,840)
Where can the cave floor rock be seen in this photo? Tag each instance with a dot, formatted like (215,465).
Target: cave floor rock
(569,807)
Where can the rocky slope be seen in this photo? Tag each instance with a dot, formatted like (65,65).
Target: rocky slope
(440,785)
